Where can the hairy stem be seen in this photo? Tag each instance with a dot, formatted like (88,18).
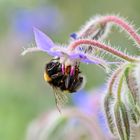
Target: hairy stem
(104,47)
(123,24)
(112,79)
(114,76)
(120,87)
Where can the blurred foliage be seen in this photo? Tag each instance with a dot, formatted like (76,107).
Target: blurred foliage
(23,92)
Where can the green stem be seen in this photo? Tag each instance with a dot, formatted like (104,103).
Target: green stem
(120,87)
(113,79)
(114,76)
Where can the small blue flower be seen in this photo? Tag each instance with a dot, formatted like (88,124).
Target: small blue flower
(67,57)
(73,36)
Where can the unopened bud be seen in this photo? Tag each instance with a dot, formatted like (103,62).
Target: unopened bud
(109,115)
(132,74)
(94,29)
(132,83)
(122,121)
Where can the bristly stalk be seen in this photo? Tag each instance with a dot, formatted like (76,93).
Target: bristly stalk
(128,28)
(120,87)
(113,78)
(102,46)
(98,28)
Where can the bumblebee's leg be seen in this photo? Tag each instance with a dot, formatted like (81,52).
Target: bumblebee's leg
(76,84)
(72,86)
(67,81)
(62,84)
(57,75)
(57,79)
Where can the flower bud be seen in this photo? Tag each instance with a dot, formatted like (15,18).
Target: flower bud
(122,121)
(109,115)
(131,82)
(132,108)
(94,29)
(133,98)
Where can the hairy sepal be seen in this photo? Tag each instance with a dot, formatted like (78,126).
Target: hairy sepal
(122,121)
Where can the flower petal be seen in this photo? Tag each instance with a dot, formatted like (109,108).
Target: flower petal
(83,58)
(73,36)
(90,60)
(95,60)
(43,42)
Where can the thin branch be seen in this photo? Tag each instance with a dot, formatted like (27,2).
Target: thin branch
(104,47)
(128,28)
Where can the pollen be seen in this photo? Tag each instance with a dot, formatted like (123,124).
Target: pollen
(66,91)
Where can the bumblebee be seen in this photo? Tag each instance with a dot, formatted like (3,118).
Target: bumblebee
(62,82)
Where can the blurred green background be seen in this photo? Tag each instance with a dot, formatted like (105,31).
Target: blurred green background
(23,92)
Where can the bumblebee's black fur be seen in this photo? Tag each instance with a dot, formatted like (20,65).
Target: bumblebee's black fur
(64,82)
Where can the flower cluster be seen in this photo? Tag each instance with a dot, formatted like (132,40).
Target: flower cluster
(122,101)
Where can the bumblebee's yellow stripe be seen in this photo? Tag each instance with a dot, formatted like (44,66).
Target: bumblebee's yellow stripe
(46,77)
(66,91)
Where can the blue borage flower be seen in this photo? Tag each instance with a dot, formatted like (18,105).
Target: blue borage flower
(63,72)
(67,57)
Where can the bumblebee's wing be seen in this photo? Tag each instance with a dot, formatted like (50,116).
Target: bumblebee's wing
(60,98)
